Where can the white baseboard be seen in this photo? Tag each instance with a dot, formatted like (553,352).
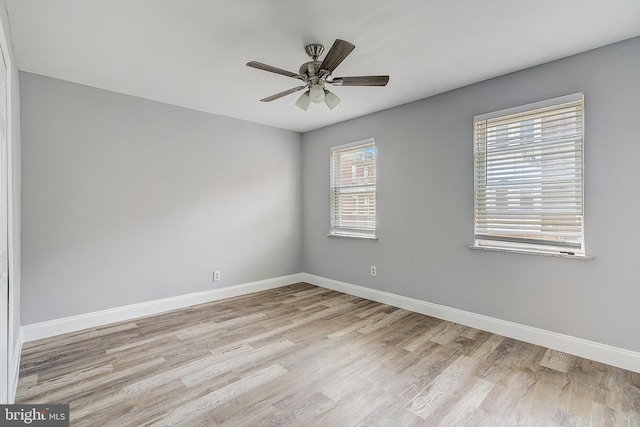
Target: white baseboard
(14,366)
(36,331)
(610,355)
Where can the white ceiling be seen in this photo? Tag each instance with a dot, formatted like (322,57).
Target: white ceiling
(192,53)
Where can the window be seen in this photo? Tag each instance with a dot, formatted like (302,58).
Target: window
(528,178)
(353,190)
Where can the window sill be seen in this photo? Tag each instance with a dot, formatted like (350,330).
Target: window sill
(522,251)
(348,236)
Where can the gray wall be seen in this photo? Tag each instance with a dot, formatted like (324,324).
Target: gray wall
(425,163)
(127,200)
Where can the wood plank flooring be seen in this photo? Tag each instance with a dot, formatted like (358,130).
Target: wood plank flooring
(306,356)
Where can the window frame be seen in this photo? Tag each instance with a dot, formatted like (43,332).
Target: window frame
(335,229)
(520,245)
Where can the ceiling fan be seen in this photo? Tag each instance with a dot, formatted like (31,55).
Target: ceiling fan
(316,74)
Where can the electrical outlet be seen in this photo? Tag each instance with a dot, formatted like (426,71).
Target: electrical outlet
(216,276)
(373,270)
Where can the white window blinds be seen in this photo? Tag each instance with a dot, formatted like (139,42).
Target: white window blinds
(529,177)
(353,190)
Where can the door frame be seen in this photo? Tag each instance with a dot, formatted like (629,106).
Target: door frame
(5,345)
(12,333)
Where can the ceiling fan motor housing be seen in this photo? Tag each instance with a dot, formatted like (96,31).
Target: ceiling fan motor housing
(310,69)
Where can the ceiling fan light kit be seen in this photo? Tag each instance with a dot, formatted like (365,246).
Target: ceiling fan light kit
(331,99)
(316,93)
(315,74)
(304,101)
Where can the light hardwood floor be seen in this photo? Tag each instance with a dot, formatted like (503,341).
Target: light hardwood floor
(307,356)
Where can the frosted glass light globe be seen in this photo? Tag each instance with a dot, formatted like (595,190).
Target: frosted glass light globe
(316,94)
(331,99)
(303,101)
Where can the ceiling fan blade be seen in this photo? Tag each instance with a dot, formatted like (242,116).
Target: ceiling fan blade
(361,81)
(283,93)
(336,55)
(272,69)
